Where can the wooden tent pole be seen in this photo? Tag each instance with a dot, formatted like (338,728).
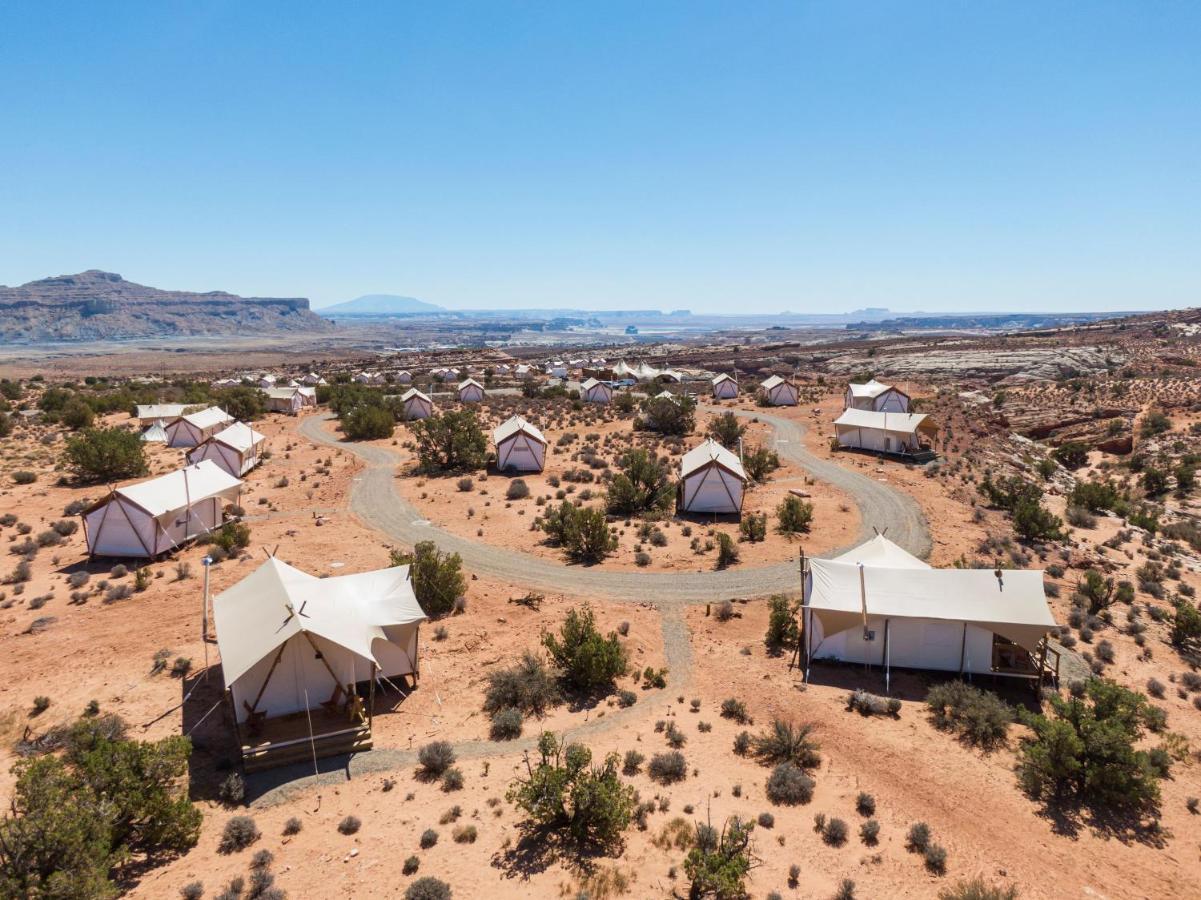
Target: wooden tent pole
(270,672)
(324,661)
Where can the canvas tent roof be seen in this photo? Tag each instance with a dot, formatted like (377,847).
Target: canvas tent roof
(512,426)
(772,382)
(710,451)
(277,602)
(870,389)
(880,551)
(1013,605)
(179,489)
(161,410)
(207,418)
(718,379)
(904,423)
(156,433)
(590,384)
(468,382)
(239,436)
(286,393)
(411,393)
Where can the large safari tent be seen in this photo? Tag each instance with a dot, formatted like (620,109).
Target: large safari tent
(520,446)
(301,657)
(877,397)
(725,387)
(878,605)
(779,391)
(236,449)
(712,480)
(883,432)
(416,404)
(155,516)
(195,428)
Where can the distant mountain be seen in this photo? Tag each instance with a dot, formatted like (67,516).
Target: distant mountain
(97,306)
(381,305)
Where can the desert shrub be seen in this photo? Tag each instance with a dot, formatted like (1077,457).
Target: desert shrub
(1034,522)
(528,687)
(232,790)
(753,528)
(452,779)
(193,890)
(869,832)
(759,462)
(581,530)
(429,838)
(349,825)
(632,763)
(587,659)
(465,834)
(450,442)
(626,698)
(1085,752)
(675,416)
(782,628)
(517,490)
(674,737)
(724,611)
(865,804)
(65,527)
(789,785)
(239,833)
(367,422)
(917,839)
(717,865)
(465,484)
(427,888)
(668,767)
(980,717)
(411,865)
(835,832)
(870,705)
(1186,626)
(565,791)
(786,742)
(643,485)
(506,724)
(437,577)
(435,758)
(232,536)
(794,516)
(978,889)
(727,551)
(41,703)
(1071,454)
(24,477)
(293,826)
(726,430)
(766,820)
(733,708)
(105,454)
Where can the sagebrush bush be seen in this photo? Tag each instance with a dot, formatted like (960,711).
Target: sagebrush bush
(980,717)
(429,837)
(789,785)
(506,724)
(669,767)
(978,889)
(835,832)
(787,742)
(239,833)
(869,832)
(435,758)
(917,839)
(732,708)
(350,825)
(427,888)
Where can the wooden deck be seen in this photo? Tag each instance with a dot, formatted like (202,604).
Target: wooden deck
(286,739)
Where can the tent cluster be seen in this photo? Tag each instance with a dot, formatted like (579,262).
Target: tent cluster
(878,605)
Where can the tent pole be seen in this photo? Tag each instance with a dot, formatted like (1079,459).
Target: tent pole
(963,650)
(270,672)
(887,667)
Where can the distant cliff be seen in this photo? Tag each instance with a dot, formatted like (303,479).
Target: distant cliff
(381,305)
(96,306)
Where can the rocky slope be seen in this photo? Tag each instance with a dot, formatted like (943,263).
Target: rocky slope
(95,306)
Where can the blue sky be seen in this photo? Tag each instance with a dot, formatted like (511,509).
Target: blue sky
(813,157)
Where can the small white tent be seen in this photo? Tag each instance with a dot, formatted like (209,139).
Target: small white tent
(158,515)
(156,433)
(149,413)
(876,397)
(878,605)
(779,392)
(725,387)
(593,391)
(883,432)
(712,480)
(404,377)
(416,404)
(237,449)
(312,379)
(471,391)
(520,446)
(289,641)
(290,400)
(195,428)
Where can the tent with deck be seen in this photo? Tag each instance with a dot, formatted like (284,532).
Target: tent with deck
(883,432)
(155,516)
(879,605)
(301,656)
(237,449)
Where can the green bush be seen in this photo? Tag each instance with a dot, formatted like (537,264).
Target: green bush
(428,888)
(368,423)
(794,516)
(450,442)
(727,551)
(105,454)
(726,430)
(783,630)
(506,724)
(788,785)
(239,833)
(759,462)
(587,659)
(528,687)
(717,866)
(581,530)
(669,767)
(232,536)
(1085,753)
(75,816)
(564,791)
(980,717)
(77,414)
(644,485)
(753,527)
(676,416)
(437,577)
(1071,454)
(1186,626)
(1095,496)
(787,742)
(243,403)
(1034,522)
(733,708)
(435,758)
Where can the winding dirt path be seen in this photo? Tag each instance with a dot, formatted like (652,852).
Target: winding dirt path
(375,501)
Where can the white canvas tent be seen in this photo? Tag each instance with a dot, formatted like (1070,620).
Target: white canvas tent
(471,391)
(593,391)
(292,643)
(883,432)
(724,387)
(520,446)
(152,412)
(158,515)
(312,379)
(194,428)
(290,400)
(156,433)
(237,449)
(416,404)
(779,392)
(878,605)
(712,480)
(876,397)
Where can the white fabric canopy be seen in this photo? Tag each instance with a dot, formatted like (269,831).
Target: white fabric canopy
(239,436)
(708,452)
(278,602)
(514,425)
(181,488)
(901,423)
(208,418)
(869,390)
(161,410)
(156,433)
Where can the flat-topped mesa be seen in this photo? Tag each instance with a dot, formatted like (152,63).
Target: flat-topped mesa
(96,305)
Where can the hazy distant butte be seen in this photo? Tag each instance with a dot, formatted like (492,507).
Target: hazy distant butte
(95,305)
(380,305)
